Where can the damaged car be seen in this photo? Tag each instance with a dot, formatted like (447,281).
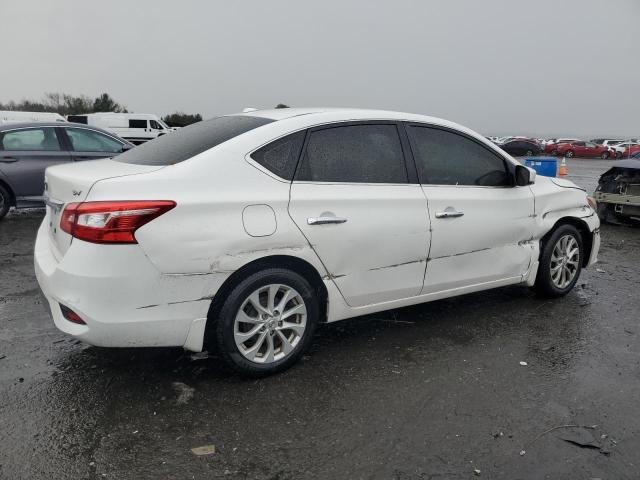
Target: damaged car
(618,192)
(241,234)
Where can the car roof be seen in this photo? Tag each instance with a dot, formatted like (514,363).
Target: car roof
(311,116)
(15,126)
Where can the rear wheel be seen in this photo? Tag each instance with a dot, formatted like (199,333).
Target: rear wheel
(569,154)
(560,262)
(529,153)
(267,322)
(604,155)
(618,154)
(5,202)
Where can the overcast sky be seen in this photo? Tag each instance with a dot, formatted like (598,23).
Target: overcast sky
(497,66)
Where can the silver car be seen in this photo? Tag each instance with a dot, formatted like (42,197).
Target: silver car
(27,149)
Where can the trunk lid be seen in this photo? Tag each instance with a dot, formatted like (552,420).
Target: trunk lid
(72,182)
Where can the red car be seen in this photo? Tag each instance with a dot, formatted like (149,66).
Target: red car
(552,145)
(630,150)
(583,149)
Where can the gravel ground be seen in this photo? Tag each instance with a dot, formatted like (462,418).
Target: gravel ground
(431,391)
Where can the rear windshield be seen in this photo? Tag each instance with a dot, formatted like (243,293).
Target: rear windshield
(189,141)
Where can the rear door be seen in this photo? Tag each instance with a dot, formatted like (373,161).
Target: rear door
(25,153)
(591,150)
(579,149)
(88,144)
(481,223)
(362,211)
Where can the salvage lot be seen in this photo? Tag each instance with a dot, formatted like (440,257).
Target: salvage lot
(431,391)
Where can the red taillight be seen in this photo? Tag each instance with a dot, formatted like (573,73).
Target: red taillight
(111,222)
(71,315)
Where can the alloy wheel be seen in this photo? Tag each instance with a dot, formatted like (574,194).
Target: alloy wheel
(270,323)
(564,261)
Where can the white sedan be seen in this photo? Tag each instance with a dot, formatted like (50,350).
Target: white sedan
(242,233)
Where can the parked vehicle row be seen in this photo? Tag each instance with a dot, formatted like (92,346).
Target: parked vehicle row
(27,149)
(136,128)
(569,147)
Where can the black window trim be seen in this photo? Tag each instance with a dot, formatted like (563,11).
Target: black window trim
(348,123)
(509,166)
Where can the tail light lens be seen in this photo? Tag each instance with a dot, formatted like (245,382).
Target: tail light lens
(111,222)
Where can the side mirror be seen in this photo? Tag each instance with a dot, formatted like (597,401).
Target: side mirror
(524,175)
(126,147)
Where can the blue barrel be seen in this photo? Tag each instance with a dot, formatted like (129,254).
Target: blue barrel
(545,166)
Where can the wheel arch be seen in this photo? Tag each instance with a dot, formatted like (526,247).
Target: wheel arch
(12,195)
(295,264)
(581,226)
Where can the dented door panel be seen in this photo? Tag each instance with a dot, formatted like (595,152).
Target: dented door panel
(378,254)
(490,241)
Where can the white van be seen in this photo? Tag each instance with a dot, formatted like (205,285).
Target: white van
(10,116)
(135,127)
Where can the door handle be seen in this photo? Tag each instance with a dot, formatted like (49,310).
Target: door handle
(449,214)
(8,159)
(324,220)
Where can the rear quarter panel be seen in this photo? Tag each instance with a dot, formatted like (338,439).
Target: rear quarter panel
(204,234)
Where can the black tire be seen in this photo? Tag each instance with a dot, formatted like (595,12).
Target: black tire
(604,155)
(554,152)
(224,324)
(5,202)
(569,154)
(618,155)
(544,285)
(529,153)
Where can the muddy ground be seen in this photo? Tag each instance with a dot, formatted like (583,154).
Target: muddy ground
(425,392)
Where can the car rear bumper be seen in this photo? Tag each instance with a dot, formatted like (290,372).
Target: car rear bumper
(124,300)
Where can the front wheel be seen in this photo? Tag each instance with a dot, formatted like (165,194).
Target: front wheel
(604,155)
(267,322)
(560,262)
(569,154)
(529,153)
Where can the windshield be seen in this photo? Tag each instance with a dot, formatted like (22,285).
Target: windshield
(190,141)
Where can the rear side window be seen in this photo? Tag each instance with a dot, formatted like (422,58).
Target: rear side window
(44,139)
(281,156)
(190,141)
(137,123)
(354,154)
(448,158)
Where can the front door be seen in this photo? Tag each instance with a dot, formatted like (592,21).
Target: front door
(352,199)
(481,223)
(25,153)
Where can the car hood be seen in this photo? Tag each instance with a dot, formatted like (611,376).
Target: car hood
(564,183)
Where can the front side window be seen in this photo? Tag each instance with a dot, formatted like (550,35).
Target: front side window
(44,139)
(281,156)
(447,158)
(155,125)
(137,123)
(369,153)
(83,140)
